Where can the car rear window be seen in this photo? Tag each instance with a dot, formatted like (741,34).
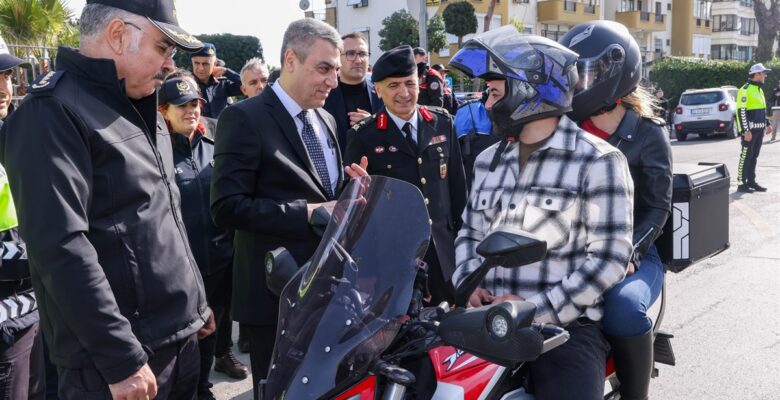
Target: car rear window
(695,99)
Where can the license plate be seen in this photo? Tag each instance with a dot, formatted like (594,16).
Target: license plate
(700,111)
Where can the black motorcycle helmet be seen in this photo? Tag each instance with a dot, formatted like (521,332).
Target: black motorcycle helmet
(609,67)
(540,75)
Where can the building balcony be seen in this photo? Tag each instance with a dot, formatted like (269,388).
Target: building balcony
(642,21)
(566,12)
(702,26)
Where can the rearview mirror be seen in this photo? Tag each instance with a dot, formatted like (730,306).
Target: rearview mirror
(506,246)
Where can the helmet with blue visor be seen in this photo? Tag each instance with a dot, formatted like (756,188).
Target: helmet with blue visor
(540,75)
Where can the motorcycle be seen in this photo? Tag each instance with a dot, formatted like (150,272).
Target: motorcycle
(352,325)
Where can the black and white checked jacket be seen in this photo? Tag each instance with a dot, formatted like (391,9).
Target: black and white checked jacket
(575,192)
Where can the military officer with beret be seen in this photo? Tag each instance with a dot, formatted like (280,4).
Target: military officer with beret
(216,83)
(416,144)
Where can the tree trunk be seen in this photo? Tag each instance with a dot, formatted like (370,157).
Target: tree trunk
(460,42)
(489,15)
(768,21)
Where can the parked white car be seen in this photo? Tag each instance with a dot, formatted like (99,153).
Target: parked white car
(706,112)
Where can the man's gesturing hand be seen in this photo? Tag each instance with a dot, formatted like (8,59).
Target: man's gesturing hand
(142,385)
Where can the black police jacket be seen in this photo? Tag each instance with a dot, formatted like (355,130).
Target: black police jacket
(91,173)
(217,91)
(193,163)
(431,89)
(646,146)
(435,167)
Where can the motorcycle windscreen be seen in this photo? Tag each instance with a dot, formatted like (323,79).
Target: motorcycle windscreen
(340,313)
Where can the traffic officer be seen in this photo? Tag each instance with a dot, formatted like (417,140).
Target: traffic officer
(21,349)
(431,81)
(216,83)
(416,144)
(752,122)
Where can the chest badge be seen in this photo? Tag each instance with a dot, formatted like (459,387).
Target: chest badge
(379,149)
(392,149)
(438,139)
(443,170)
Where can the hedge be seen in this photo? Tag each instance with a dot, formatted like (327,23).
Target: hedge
(675,75)
(235,50)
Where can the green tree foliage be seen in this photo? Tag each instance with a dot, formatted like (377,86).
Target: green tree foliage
(460,20)
(36,22)
(235,50)
(674,76)
(398,29)
(437,37)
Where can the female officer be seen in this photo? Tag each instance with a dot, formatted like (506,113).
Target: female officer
(212,247)
(609,104)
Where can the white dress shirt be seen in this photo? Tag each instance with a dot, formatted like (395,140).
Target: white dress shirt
(400,122)
(329,147)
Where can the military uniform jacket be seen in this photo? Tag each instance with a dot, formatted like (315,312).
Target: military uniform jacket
(91,174)
(431,89)
(435,167)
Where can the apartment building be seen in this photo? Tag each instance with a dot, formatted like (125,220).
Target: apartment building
(734,30)
(684,28)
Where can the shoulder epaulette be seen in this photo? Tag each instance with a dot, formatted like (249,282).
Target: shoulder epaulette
(365,121)
(746,85)
(46,82)
(439,110)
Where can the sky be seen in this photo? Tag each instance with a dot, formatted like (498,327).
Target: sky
(265,19)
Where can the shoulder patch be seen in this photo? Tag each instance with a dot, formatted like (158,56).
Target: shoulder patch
(747,85)
(435,85)
(46,82)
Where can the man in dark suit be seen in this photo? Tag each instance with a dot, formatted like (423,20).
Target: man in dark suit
(418,145)
(275,162)
(355,97)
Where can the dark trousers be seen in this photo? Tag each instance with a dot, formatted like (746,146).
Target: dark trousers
(22,371)
(217,287)
(574,370)
(441,290)
(176,368)
(748,158)
(261,344)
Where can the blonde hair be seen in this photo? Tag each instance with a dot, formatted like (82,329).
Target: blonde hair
(642,102)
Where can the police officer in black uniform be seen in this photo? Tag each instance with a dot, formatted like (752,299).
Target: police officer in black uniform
(416,144)
(431,81)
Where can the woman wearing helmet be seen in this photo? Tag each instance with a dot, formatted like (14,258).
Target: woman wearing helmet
(610,104)
(549,177)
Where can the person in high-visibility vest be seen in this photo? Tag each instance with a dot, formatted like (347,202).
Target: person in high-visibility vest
(21,350)
(752,123)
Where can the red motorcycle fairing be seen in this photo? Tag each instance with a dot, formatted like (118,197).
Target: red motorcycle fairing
(366,389)
(463,376)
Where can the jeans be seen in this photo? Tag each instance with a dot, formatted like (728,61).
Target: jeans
(575,370)
(625,305)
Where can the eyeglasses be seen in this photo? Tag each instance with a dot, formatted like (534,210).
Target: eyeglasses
(168,49)
(352,55)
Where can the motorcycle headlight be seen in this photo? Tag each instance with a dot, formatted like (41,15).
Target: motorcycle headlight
(498,324)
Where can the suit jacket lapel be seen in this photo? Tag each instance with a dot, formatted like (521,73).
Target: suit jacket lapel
(291,133)
(425,132)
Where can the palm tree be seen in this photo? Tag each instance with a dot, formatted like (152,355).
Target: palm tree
(35,22)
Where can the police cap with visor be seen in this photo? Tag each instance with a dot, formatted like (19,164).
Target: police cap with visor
(177,92)
(160,13)
(8,61)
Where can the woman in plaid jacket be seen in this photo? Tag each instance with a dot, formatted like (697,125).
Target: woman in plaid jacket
(551,178)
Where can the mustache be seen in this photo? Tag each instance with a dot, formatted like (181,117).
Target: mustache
(161,75)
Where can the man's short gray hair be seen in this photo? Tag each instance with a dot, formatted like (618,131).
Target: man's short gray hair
(96,17)
(253,64)
(302,34)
